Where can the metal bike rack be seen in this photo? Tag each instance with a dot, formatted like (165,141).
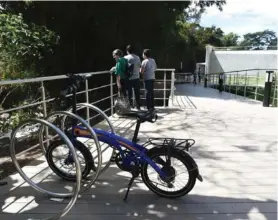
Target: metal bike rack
(90,106)
(32,184)
(70,114)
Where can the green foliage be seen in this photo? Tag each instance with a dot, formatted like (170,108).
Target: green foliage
(209,35)
(91,30)
(260,39)
(230,39)
(22,45)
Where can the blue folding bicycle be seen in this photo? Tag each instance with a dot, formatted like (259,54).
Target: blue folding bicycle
(131,156)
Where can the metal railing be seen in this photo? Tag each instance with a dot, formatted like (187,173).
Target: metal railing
(249,48)
(164,82)
(247,83)
(183,78)
(44,101)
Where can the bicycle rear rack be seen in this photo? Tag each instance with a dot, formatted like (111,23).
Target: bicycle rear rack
(182,144)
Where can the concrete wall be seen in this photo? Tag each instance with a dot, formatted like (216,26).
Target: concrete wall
(224,61)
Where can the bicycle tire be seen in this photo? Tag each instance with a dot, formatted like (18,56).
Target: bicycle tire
(89,161)
(178,154)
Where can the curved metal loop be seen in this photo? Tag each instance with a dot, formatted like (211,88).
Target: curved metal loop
(97,110)
(32,184)
(70,114)
(79,106)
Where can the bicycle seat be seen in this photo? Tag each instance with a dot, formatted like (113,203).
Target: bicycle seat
(143,116)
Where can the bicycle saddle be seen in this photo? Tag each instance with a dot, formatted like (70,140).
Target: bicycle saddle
(143,116)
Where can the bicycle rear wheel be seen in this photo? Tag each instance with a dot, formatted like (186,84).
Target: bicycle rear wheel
(168,188)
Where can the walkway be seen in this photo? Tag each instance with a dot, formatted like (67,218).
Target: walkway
(236,150)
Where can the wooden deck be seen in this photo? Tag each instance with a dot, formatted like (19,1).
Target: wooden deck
(236,150)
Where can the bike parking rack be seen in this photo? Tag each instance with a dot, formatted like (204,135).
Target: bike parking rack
(94,137)
(74,194)
(105,116)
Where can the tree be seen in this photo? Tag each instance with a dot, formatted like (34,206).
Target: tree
(230,39)
(194,12)
(89,31)
(260,39)
(22,45)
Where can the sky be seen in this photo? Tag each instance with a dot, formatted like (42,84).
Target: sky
(243,16)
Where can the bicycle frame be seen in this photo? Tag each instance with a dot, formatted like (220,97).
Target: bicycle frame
(117,142)
(112,139)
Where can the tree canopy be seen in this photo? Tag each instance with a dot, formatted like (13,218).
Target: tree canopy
(89,31)
(260,39)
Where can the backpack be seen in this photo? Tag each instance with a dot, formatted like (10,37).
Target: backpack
(129,68)
(122,105)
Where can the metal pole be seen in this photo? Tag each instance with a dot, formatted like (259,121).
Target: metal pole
(230,79)
(43,99)
(275,90)
(111,93)
(87,100)
(236,82)
(44,111)
(224,82)
(245,84)
(267,88)
(164,99)
(172,87)
(256,91)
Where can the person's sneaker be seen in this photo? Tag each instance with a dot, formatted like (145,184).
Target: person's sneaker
(138,108)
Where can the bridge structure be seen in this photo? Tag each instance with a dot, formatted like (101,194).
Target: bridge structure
(235,149)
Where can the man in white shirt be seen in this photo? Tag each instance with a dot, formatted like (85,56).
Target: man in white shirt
(134,80)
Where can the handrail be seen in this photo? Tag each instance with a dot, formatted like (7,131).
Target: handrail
(238,71)
(247,47)
(49,78)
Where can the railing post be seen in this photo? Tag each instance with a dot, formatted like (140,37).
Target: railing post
(111,93)
(43,99)
(230,79)
(164,99)
(172,87)
(220,82)
(206,81)
(224,82)
(267,88)
(87,99)
(245,83)
(256,90)
(44,111)
(275,90)
(236,82)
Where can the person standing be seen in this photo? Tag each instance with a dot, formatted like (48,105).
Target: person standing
(148,69)
(120,72)
(134,80)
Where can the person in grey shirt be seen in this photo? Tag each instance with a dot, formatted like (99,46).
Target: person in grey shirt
(134,80)
(148,69)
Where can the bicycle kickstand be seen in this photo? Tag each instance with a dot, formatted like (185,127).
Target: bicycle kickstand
(135,173)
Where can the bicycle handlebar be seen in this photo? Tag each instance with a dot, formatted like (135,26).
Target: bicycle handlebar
(74,84)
